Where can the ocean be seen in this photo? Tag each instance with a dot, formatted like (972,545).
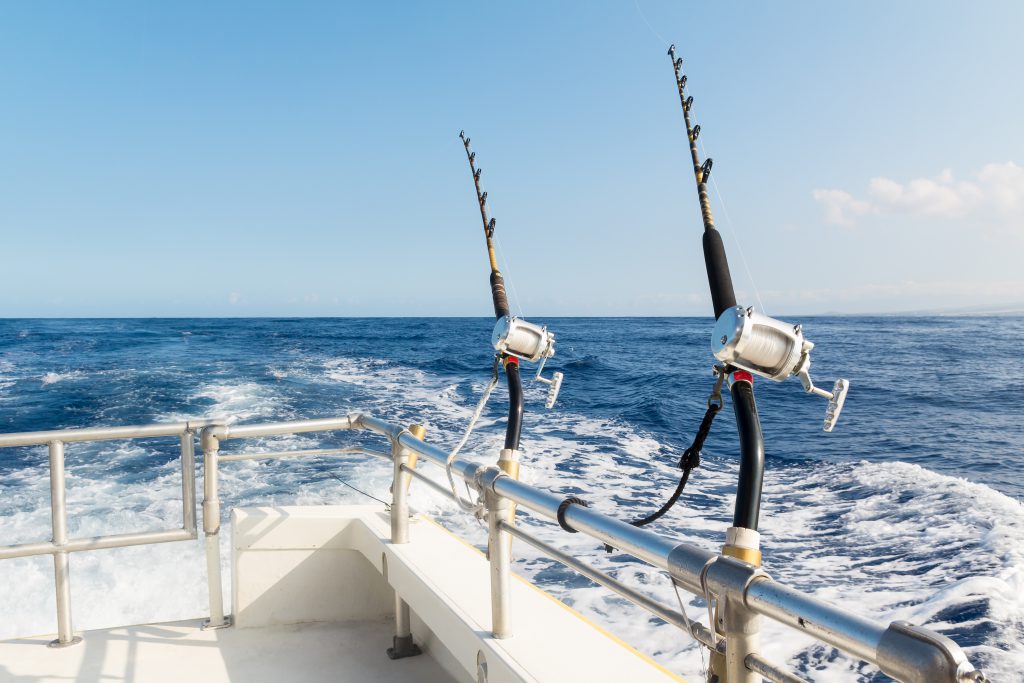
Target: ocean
(910,510)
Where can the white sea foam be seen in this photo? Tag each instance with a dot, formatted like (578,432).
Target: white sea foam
(54,377)
(232,402)
(849,534)
(7,378)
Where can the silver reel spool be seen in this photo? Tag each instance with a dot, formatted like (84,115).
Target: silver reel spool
(774,349)
(524,340)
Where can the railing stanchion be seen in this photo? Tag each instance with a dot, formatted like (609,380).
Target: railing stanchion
(210,444)
(402,644)
(61,559)
(742,638)
(499,552)
(188,482)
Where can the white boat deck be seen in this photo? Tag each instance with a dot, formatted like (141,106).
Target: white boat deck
(314,593)
(180,651)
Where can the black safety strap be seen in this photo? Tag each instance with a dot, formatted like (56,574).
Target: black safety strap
(690,458)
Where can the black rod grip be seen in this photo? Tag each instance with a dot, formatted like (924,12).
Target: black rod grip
(748,425)
(498,294)
(719,280)
(515,406)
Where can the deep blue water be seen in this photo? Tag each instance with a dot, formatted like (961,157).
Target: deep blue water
(879,507)
(923,390)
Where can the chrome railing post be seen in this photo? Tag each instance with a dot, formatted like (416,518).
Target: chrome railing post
(188,482)
(61,559)
(499,552)
(210,443)
(728,578)
(742,638)
(399,494)
(402,644)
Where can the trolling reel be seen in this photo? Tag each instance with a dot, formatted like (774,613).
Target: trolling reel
(516,337)
(774,349)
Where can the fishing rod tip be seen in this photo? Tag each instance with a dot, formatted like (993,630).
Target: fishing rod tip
(672,50)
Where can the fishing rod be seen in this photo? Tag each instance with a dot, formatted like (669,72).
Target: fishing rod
(513,339)
(723,299)
(748,343)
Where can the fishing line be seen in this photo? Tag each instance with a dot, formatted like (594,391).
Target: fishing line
(386,504)
(728,220)
(644,17)
(714,182)
(467,505)
(689,626)
(509,280)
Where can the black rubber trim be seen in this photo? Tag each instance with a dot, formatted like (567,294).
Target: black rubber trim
(571,500)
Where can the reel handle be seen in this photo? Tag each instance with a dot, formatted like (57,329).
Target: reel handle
(555,385)
(836,398)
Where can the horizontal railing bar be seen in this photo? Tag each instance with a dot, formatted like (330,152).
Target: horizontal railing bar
(102,433)
(686,564)
(773,672)
(237,457)
(463,468)
(443,490)
(820,620)
(666,614)
(297,427)
(379,426)
(96,543)
(126,540)
(853,634)
(640,543)
(27,550)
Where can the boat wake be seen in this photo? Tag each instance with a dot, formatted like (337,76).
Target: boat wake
(890,539)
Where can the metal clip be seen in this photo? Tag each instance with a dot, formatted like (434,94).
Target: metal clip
(472,157)
(490,228)
(715,399)
(483,198)
(476,176)
(705,169)
(696,132)
(682,81)
(679,63)
(688,103)
(672,50)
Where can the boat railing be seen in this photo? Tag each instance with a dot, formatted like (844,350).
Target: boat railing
(744,593)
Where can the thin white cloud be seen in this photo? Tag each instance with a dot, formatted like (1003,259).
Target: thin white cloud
(995,196)
(840,206)
(939,196)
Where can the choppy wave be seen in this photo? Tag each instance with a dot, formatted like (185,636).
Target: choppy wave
(892,539)
(54,377)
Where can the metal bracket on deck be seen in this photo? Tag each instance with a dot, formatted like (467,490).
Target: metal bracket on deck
(403,647)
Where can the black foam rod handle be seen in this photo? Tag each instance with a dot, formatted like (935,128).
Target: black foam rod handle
(719,279)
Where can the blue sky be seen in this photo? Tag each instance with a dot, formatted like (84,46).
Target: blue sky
(302,158)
